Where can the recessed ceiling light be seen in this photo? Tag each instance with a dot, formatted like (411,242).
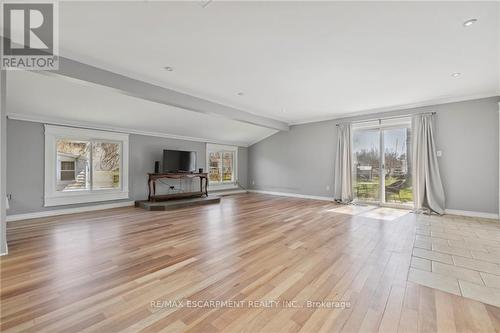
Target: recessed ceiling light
(470,22)
(241,93)
(456,74)
(168,68)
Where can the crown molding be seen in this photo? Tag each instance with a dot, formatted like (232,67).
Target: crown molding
(400,107)
(79,124)
(98,76)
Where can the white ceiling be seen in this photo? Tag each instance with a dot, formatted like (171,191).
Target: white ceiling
(294,61)
(310,59)
(66,101)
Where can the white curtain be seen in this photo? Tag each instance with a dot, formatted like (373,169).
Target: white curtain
(428,190)
(343,165)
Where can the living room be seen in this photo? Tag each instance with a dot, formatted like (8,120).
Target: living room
(232,166)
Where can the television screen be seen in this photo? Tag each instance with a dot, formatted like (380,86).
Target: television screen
(179,161)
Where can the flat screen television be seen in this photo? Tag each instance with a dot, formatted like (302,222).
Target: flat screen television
(179,161)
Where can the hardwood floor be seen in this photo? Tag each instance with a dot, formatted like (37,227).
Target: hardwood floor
(116,271)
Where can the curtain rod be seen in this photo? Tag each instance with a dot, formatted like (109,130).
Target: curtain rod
(388,117)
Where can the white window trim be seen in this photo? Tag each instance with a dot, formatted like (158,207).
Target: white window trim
(55,198)
(217,148)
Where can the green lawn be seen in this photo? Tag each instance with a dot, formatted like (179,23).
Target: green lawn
(370,189)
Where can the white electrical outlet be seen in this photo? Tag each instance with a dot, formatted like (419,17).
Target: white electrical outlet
(328,187)
(253,182)
(439,153)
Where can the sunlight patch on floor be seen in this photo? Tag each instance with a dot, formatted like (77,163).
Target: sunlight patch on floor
(352,209)
(385,213)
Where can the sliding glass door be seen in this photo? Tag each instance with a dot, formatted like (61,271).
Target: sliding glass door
(397,169)
(381,165)
(366,164)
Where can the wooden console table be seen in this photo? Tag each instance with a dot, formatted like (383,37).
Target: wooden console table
(153,177)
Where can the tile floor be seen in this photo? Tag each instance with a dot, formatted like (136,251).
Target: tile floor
(458,255)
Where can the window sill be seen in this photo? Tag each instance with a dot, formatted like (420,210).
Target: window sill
(86,197)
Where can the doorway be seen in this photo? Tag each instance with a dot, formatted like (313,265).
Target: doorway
(382,172)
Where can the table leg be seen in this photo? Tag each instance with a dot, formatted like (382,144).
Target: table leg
(154,190)
(149,189)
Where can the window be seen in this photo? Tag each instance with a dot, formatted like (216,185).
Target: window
(105,165)
(84,165)
(221,165)
(67,171)
(214,167)
(73,158)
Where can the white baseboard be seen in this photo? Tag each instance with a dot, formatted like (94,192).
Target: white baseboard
(471,214)
(64,211)
(228,192)
(293,195)
(214,188)
(447,211)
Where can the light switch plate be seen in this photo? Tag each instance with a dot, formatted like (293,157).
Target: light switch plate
(439,153)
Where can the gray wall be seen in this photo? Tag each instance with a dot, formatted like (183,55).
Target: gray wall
(298,161)
(302,160)
(25,164)
(144,150)
(242,165)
